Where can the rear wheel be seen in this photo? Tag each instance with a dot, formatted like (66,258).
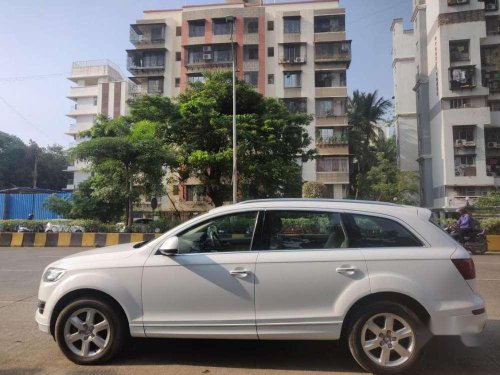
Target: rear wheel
(386,338)
(89,332)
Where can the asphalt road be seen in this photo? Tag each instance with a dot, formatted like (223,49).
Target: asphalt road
(25,350)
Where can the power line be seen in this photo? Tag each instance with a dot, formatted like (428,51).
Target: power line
(25,119)
(29,78)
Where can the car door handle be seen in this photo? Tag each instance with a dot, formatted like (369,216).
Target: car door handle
(239,272)
(347,270)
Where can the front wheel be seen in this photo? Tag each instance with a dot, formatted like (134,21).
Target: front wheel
(89,332)
(386,338)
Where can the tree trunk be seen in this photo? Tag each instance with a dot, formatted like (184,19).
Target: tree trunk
(130,206)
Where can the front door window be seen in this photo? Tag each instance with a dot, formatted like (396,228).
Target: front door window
(228,233)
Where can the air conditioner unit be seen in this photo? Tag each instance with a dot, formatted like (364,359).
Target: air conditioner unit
(299,60)
(492,145)
(207,48)
(207,56)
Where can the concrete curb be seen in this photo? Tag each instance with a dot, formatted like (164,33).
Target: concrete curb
(64,239)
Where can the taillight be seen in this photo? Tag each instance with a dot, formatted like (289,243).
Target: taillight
(466,268)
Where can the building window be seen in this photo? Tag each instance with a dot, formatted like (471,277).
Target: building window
(177,81)
(490,5)
(270,25)
(296,105)
(329,24)
(457,2)
(194,193)
(270,51)
(291,52)
(291,25)
(251,25)
(250,52)
(493,25)
(196,28)
(221,26)
(464,136)
(155,85)
(196,77)
(463,77)
(95,100)
(331,136)
(494,105)
(329,107)
(490,56)
(177,56)
(330,79)
(270,79)
(158,33)
(291,79)
(332,164)
(459,50)
(178,31)
(460,103)
(252,78)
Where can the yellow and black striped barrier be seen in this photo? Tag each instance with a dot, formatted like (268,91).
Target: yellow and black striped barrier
(64,239)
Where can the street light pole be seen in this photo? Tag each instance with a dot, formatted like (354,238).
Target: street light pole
(235,150)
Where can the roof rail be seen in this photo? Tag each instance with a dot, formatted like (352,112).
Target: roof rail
(319,200)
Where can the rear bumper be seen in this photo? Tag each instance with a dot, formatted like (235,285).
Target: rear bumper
(459,325)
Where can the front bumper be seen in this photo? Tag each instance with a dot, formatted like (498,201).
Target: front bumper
(42,322)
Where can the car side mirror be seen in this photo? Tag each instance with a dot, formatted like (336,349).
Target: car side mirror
(170,246)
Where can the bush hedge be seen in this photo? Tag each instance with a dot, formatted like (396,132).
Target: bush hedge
(492,225)
(158,226)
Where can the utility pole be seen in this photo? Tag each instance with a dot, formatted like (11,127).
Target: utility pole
(235,157)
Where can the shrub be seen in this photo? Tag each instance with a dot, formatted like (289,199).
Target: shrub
(492,225)
(314,190)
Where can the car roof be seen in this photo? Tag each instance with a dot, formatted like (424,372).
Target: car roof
(342,204)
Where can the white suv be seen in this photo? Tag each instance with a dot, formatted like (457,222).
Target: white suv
(380,276)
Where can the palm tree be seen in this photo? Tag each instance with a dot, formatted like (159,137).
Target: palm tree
(364,110)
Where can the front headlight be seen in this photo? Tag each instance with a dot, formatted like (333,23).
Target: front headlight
(53,274)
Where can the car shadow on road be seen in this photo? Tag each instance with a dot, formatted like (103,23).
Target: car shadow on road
(443,355)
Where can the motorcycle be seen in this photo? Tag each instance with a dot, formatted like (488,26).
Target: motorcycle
(474,242)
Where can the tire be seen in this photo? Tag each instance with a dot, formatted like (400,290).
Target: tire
(373,318)
(94,343)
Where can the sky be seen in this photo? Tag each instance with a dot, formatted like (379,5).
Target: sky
(41,38)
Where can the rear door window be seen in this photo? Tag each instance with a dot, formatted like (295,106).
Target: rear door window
(373,231)
(303,230)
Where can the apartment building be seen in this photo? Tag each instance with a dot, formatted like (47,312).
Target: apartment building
(295,51)
(457,88)
(99,88)
(405,104)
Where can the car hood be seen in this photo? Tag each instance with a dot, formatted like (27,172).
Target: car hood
(110,256)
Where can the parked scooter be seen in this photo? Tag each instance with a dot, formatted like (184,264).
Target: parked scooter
(474,241)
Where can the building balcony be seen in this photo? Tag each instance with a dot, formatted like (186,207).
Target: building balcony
(146,61)
(333,52)
(82,110)
(333,177)
(490,5)
(148,34)
(82,91)
(460,201)
(299,60)
(332,148)
(334,120)
(462,77)
(465,170)
(325,92)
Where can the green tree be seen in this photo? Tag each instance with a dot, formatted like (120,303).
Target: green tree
(199,124)
(385,182)
(365,110)
(490,200)
(126,160)
(17,164)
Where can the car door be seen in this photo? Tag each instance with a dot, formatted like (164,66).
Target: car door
(207,289)
(307,276)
